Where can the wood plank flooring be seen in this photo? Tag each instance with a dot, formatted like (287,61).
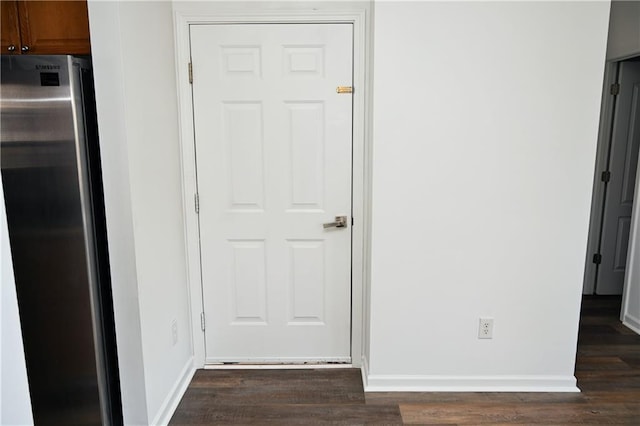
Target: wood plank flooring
(280,397)
(607,368)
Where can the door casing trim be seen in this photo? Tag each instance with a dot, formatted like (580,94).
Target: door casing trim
(601,164)
(361,167)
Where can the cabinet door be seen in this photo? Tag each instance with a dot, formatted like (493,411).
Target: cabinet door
(54,27)
(10,40)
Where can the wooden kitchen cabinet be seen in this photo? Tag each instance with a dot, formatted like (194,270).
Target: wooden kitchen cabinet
(45,27)
(9,27)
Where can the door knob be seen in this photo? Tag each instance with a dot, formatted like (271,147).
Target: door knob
(341,222)
(25,49)
(11,48)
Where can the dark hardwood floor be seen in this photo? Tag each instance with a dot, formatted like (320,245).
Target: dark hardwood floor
(278,397)
(607,368)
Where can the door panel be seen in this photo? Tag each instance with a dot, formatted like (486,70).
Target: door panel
(248,302)
(242,124)
(9,28)
(623,162)
(307,283)
(273,149)
(306,124)
(55,27)
(622,243)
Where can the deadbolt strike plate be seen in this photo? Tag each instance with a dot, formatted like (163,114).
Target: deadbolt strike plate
(344,89)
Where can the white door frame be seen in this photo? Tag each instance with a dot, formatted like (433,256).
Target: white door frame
(361,183)
(602,158)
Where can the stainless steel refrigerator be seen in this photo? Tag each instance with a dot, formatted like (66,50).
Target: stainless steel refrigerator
(53,197)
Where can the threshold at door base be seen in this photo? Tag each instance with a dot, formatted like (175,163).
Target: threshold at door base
(309,366)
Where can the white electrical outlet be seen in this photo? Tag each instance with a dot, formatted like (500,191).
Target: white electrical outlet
(174,332)
(485,330)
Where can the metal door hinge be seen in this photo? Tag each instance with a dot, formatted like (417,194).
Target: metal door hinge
(190,73)
(606,176)
(196,202)
(597,258)
(202,321)
(615,89)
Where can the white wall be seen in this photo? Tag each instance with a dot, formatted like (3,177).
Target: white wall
(485,124)
(15,402)
(110,101)
(484,137)
(133,52)
(624,30)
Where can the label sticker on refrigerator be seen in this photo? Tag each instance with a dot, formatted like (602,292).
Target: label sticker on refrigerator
(49,79)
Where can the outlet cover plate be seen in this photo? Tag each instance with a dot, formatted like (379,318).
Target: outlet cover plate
(485,328)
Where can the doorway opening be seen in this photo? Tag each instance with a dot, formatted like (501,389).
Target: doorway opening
(615,179)
(241,62)
(614,187)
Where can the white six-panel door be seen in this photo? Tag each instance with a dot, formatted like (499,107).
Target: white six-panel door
(273,155)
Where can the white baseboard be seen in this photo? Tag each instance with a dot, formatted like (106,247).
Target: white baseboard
(172,400)
(418,383)
(364,368)
(632,322)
